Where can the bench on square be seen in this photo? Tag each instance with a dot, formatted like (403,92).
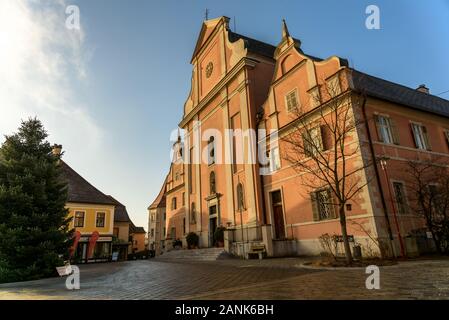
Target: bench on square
(258,249)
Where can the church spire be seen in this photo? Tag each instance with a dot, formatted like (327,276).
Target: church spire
(285,33)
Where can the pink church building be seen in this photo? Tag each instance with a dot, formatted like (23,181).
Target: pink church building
(248,86)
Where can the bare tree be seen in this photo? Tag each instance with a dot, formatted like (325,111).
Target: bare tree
(320,144)
(429,198)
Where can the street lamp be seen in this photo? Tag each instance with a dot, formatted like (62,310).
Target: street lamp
(383,163)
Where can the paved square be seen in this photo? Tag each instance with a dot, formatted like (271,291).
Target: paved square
(238,279)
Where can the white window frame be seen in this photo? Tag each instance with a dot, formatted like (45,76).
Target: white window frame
(274,159)
(385,128)
(104,219)
(84,219)
(420,141)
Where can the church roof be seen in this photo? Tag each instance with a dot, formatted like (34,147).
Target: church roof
(159,202)
(390,91)
(120,212)
(253,45)
(134,229)
(80,190)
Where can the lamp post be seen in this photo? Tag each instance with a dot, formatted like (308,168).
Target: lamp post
(383,164)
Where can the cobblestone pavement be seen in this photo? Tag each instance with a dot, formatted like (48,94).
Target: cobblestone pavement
(237,279)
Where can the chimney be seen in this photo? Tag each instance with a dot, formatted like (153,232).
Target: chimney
(423,88)
(57,148)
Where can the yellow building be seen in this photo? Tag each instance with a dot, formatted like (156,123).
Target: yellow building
(102,222)
(92,211)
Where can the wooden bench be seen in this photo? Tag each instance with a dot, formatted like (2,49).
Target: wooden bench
(258,249)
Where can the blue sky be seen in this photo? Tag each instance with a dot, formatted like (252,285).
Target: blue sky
(112,92)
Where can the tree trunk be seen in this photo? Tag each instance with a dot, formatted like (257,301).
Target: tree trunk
(344,234)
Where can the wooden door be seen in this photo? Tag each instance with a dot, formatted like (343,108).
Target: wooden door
(278,215)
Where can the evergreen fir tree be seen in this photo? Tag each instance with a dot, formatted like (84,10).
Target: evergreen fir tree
(34,223)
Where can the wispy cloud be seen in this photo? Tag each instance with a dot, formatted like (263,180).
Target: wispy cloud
(41,64)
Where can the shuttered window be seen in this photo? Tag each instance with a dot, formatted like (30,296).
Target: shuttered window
(420,136)
(386,129)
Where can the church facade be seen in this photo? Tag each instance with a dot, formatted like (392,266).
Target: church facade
(233,168)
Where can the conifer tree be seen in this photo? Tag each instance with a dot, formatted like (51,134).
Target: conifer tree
(34,223)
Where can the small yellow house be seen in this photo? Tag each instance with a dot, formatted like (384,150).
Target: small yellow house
(91,211)
(102,222)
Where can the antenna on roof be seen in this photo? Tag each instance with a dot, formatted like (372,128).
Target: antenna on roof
(206,14)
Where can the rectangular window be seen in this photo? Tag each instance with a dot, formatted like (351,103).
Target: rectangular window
(274,158)
(173,203)
(386,129)
(292,101)
(399,194)
(152,233)
(312,141)
(79,219)
(322,205)
(184,225)
(183,199)
(100,219)
(173,233)
(420,136)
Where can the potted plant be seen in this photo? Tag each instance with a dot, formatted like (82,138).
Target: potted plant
(219,236)
(177,244)
(192,240)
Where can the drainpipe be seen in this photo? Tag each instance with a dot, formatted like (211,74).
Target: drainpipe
(376,170)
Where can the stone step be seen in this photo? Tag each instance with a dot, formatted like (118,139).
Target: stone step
(206,254)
